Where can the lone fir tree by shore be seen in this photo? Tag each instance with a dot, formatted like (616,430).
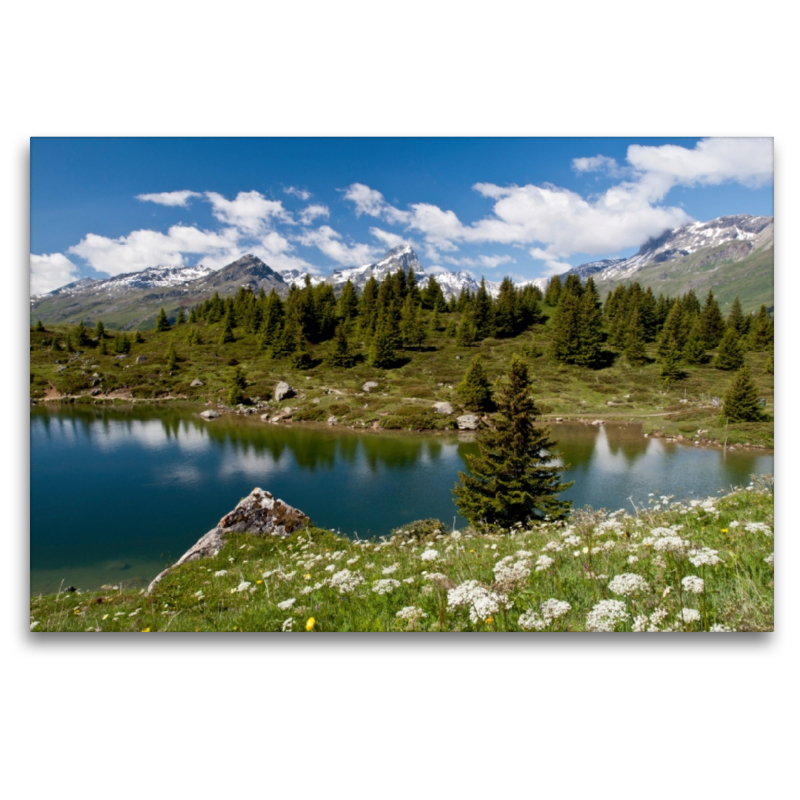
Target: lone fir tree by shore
(512,479)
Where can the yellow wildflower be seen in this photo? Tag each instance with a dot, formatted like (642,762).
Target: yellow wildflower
(307,575)
(724,530)
(105,616)
(145,630)
(310,624)
(259,581)
(472,551)
(490,620)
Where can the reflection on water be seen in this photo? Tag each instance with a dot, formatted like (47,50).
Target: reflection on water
(116,494)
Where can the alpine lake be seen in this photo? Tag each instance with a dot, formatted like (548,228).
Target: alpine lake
(117,494)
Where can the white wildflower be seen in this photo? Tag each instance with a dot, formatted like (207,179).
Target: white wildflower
(220,572)
(430,555)
(286,604)
(243,586)
(693,584)
(351,561)
(524,554)
(482,602)
(346,581)
(370,565)
(199,594)
(555,546)
(640,623)
(770,559)
(666,591)
(287,625)
(435,576)
(606,615)
(572,541)
(656,618)
(427,590)
(628,584)
(758,527)
(670,544)
(704,557)
(411,614)
(134,613)
(633,559)
(509,571)
(553,609)
(330,568)
(409,580)
(34,624)
(689,615)
(721,629)
(306,590)
(544,562)
(385,586)
(531,621)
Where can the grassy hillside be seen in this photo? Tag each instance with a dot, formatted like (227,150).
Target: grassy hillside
(752,278)
(705,566)
(405,394)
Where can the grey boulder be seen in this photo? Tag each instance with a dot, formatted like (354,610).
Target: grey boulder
(468,422)
(282,391)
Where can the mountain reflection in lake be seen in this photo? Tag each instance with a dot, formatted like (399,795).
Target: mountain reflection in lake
(117,494)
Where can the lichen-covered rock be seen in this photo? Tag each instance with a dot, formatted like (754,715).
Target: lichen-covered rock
(369,386)
(282,391)
(258,513)
(196,382)
(332,420)
(467,422)
(209,413)
(443,408)
(141,359)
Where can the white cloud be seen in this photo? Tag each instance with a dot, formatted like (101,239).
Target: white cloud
(370,202)
(552,265)
(713,161)
(250,212)
(310,213)
(169,198)
(329,242)
(301,193)
(492,262)
(146,248)
(49,272)
(594,164)
(388,238)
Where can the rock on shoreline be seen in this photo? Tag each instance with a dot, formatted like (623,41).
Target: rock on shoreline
(258,513)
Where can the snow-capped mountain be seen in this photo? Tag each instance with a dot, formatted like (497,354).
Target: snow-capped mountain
(740,234)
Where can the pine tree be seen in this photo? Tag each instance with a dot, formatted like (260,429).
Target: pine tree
(171,358)
(193,316)
(736,318)
(590,327)
(237,383)
(669,359)
(512,478)
(450,329)
(565,341)
(181,316)
(729,353)
(467,334)
(475,391)
(347,305)
(506,314)
(741,403)
(712,325)
(381,350)
(39,328)
(82,335)
(411,328)
(138,338)
(103,347)
(227,329)
(762,331)
(162,323)
(483,312)
(68,346)
(125,345)
(673,330)
(694,351)
(634,341)
(99,331)
(340,356)
(769,367)
(553,292)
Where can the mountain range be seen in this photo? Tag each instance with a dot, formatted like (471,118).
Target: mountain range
(731,255)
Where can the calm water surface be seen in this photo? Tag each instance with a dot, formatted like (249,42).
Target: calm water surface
(116,495)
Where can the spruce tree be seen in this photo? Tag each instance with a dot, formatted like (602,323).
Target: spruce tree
(39,328)
(736,318)
(590,327)
(82,335)
(506,313)
(512,478)
(712,325)
(694,351)
(769,367)
(68,346)
(347,305)
(553,292)
(411,328)
(467,334)
(483,312)
(103,347)
(762,331)
(669,359)
(237,383)
(381,350)
(138,338)
(475,391)
(565,342)
(227,329)
(635,353)
(99,330)
(162,323)
(340,356)
(125,345)
(729,353)
(181,316)
(741,403)
(171,357)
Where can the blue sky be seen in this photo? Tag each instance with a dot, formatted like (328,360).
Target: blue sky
(527,207)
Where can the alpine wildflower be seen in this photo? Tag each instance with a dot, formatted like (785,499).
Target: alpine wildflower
(310,624)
